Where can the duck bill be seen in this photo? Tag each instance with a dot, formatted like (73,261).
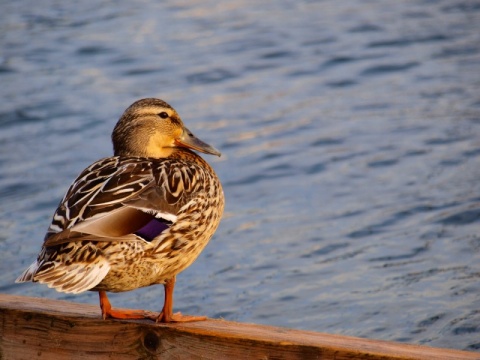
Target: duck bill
(188,140)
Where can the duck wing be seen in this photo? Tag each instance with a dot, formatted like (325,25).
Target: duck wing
(124,199)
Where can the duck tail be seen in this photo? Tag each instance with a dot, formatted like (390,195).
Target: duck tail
(28,274)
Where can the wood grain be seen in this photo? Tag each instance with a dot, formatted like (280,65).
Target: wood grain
(32,328)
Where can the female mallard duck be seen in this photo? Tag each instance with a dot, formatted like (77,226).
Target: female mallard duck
(135,219)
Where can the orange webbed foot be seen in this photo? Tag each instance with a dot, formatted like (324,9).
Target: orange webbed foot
(109,313)
(130,314)
(167,315)
(178,317)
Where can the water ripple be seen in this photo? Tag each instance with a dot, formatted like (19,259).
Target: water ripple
(388,68)
(408,41)
(210,76)
(461,217)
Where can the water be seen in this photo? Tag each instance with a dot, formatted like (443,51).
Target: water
(350,134)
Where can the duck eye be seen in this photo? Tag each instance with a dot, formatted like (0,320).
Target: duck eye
(163,115)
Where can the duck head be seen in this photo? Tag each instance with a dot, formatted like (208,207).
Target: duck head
(152,128)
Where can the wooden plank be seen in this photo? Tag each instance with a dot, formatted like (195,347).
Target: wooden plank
(32,328)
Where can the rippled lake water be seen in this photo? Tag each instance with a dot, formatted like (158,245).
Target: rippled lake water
(350,134)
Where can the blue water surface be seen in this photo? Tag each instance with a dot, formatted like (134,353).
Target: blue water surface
(350,134)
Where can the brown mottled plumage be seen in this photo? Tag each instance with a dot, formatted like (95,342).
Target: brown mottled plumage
(135,219)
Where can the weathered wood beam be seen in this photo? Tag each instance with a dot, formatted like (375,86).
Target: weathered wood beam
(32,328)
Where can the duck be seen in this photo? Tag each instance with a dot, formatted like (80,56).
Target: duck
(137,218)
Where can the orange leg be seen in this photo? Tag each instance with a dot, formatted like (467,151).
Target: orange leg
(167,314)
(108,312)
